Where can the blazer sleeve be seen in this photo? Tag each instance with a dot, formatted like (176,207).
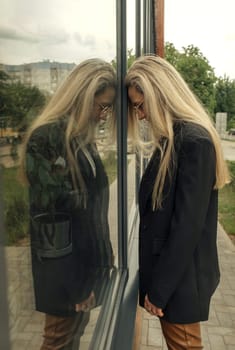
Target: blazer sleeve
(194,183)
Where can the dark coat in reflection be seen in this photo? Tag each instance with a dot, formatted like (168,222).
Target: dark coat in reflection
(62,280)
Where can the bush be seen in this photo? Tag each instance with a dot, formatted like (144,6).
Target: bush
(15,200)
(16,220)
(232,173)
(227,203)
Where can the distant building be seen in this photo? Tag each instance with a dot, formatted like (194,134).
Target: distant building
(45,75)
(221,123)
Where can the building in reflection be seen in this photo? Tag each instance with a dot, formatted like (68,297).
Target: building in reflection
(46,75)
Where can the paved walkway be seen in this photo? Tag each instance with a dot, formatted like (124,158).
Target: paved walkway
(219,332)
(229,148)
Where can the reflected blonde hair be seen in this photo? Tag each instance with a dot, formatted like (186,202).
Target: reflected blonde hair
(74,101)
(168,99)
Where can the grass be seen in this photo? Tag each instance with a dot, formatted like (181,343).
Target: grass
(12,186)
(227,203)
(110,164)
(15,201)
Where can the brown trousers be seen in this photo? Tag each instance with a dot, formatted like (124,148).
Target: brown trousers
(182,336)
(64,333)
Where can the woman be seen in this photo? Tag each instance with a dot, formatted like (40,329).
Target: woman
(177,200)
(69,194)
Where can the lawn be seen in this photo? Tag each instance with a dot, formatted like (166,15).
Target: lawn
(15,201)
(12,187)
(227,203)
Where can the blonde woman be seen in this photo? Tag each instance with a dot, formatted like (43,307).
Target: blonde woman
(69,193)
(178,262)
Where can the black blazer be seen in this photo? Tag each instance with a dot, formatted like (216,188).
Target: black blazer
(178,262)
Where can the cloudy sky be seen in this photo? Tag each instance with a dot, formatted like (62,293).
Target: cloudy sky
(207,24)
(73,30)
(63,30)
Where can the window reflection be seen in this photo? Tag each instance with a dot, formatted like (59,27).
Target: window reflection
(41,53)
(68,167)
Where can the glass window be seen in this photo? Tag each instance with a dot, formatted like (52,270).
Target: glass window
(61,243)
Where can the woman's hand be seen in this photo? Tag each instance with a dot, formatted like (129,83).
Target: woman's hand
(152,309)
(87,304)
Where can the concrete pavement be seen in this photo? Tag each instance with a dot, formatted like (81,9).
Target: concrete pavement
(229,149)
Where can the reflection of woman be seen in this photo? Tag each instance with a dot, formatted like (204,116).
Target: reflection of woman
(178,201)
(67,180)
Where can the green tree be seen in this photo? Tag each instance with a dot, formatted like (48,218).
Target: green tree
(19,102)
(172,55)
(130,59)
(196,71)
(5,100)
(26,101)
(225,98)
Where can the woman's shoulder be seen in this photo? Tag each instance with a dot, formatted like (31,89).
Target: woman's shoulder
(50,133)
(47,136)
(188,132)
(54,128)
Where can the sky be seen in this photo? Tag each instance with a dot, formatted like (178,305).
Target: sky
(60,30)
(207,24)
(73,30)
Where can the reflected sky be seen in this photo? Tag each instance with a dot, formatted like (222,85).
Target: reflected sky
(64,31)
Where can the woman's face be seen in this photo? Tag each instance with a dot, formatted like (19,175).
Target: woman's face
(137,101)
(103,105)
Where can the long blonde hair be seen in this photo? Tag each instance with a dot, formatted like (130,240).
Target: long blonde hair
(168,99)
(74,101)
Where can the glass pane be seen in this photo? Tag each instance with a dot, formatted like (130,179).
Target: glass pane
(72,245)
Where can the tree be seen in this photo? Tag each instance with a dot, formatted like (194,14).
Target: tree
(20,103)
(196,71)
(27,103)
(130,59)
(5,100)
(172,55)
(225,98)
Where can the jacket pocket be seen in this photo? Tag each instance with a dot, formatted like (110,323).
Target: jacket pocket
(51,236)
